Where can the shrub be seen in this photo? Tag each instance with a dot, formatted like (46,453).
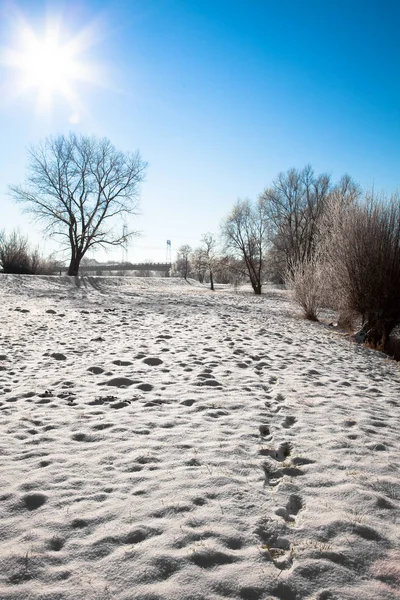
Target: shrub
(305,281)
(362,251)
(14,253)
(16,256)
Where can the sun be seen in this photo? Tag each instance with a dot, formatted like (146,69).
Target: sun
(49,66)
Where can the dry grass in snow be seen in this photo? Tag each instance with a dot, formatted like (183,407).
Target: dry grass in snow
(160,441)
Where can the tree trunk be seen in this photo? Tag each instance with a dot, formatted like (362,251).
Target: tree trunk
(254,279)
(73,268)
(211,281)
(376,331)
(257,286)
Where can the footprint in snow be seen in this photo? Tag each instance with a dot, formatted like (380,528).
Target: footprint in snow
(289,422)
(122,382)
(293,506)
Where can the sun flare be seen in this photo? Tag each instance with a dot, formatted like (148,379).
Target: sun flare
(49,67)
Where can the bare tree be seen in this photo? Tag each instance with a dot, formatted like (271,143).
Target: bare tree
(294,204)
(311,277)
(344,193)
(79,187)
(209,242)
(183,260)
(246,234)
(198,264)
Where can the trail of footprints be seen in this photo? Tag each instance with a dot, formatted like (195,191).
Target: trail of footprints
(279,461)
(209,365)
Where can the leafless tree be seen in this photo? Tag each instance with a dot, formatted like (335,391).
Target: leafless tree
(183,260)
(198,264)
(209,242)
(79,187)
(311,278)
(246,235)
(344,193)
(294,204)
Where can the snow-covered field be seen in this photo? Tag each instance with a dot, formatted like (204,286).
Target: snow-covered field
(161,441)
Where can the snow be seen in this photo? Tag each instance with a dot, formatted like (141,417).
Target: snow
(162,441)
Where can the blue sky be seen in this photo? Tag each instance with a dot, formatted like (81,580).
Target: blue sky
(219,96)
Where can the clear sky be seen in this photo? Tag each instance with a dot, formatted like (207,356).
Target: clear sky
(218,95)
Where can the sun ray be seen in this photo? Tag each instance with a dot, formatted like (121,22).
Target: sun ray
(50,66)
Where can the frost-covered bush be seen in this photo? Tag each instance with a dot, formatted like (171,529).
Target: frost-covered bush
(306,282)
(362,256)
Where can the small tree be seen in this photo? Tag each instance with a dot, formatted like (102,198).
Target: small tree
(183,260)
(78,187)
(198,264)
(246,235)
(210,258)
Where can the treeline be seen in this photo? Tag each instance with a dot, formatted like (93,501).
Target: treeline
(335,245)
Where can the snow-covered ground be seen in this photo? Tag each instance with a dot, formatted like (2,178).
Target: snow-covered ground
(161,441)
